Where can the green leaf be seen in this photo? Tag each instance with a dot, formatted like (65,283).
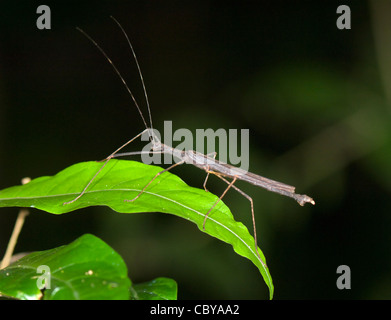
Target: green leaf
(157,289)
(85,269)
(123,180)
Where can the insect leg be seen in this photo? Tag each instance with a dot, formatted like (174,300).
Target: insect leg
(101,168)
(221,197)
(158,174)
(252,214)
(213,154)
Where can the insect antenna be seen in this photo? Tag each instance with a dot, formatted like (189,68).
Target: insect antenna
(138,68)
(119,75)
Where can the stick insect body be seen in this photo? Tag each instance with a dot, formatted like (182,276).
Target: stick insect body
(205,162)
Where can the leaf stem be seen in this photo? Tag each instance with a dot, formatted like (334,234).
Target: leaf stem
(15,233)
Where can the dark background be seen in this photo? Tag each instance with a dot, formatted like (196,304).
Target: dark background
(315,98)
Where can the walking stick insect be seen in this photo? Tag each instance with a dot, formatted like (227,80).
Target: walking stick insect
(205,162)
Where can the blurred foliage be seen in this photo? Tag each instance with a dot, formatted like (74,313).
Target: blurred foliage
(86,269)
